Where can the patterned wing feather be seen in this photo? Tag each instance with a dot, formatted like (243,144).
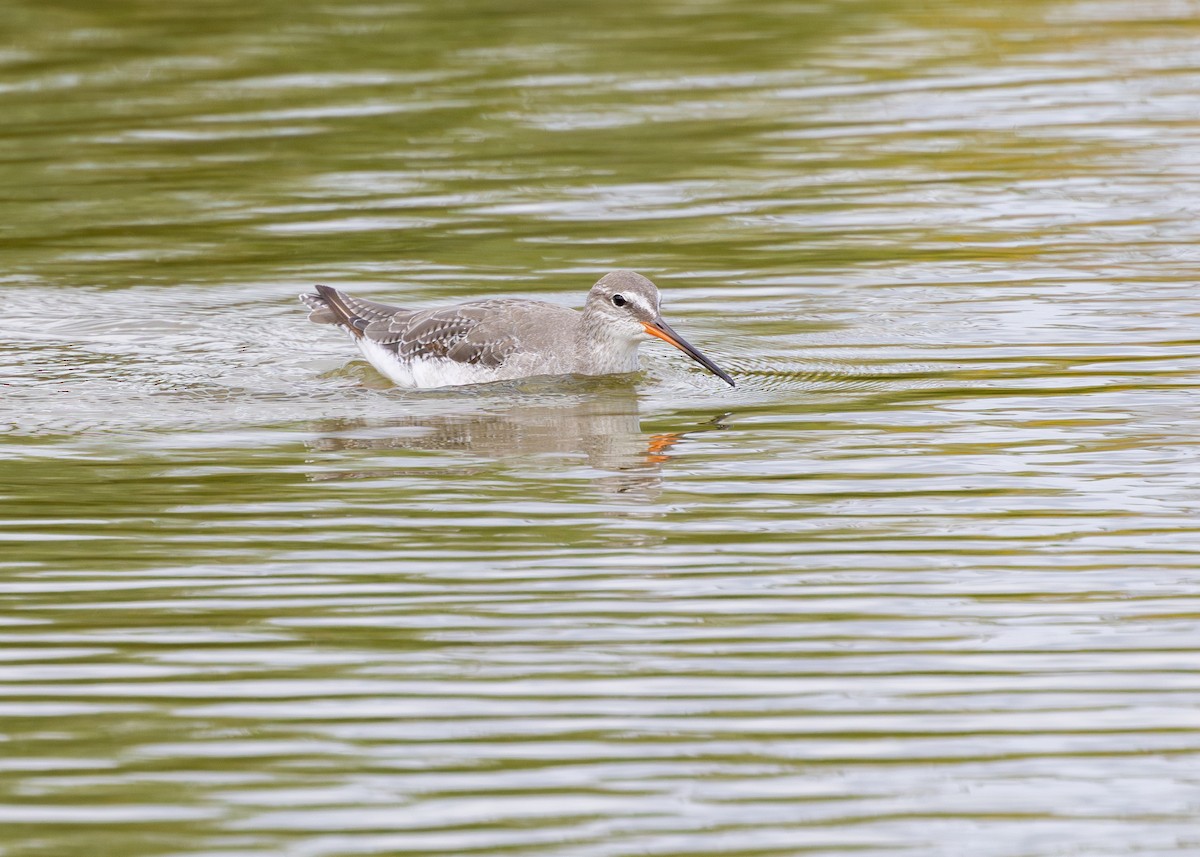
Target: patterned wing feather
(462,334)
(481,333)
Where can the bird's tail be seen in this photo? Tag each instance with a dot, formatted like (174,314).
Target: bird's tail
(320,312)
(329,306)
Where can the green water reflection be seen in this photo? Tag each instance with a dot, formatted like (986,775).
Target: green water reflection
(925,582)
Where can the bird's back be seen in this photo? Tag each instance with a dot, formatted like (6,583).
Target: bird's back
(473,342)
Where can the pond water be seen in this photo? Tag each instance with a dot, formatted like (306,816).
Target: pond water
(926,582)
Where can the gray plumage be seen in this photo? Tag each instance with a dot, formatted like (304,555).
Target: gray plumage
(505,338)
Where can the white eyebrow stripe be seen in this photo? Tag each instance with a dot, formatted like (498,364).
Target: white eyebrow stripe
(641,302)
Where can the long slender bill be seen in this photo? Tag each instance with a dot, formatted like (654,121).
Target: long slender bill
(663,331)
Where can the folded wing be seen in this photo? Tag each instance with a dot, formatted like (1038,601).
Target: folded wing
(471,334)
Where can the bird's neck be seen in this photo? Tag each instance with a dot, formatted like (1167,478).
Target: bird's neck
(600,351)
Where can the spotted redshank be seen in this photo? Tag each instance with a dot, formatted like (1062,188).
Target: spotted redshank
(505,338)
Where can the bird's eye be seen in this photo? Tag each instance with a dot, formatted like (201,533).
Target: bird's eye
(619,300)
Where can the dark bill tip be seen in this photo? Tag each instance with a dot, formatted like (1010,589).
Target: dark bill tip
(663,331)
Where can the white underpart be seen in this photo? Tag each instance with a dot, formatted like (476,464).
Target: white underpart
(439,372)
(434,372)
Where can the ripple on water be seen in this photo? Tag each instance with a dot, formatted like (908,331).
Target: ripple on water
(926,577)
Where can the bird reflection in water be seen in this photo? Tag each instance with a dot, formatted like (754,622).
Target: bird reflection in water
(602,425)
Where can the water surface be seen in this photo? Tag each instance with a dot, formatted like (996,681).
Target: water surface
(925,582)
